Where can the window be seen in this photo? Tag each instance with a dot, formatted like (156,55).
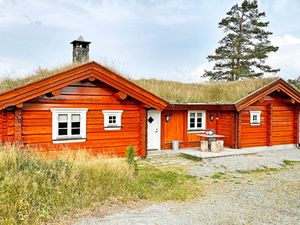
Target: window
(68,125)
(112,119)
(255,117)
(196,120)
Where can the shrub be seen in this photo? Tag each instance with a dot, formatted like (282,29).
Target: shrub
(130,153)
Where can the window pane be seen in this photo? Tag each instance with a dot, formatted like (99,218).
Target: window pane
(199,122)
(112,119)
(75,118)
(62,132)
(75,131)
(254,117)
(75,124)
(192,124)
(62,118)
(192,115)
(62,125)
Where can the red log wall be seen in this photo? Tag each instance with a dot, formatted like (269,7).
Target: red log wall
(37,120)
(279,123)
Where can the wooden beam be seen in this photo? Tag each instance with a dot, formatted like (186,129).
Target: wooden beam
(120,95)
(145,106)
(18,126)
(289,101)
(91,79)
(296,125)
(269,124)
(20,105)
(54,93)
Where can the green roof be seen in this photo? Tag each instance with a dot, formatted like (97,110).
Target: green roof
(221,92)
(171,91)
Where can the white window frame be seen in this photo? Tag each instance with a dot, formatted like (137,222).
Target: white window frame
(203,127)
(258,121)
(68,138)
(117,114)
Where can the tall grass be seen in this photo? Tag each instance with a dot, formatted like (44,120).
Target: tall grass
(35,190)
(9,83)
(221,92)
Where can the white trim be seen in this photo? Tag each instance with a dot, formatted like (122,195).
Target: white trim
(69,141)
(197,129)
(117,114)
(255,113)
(68,138)
(196,132)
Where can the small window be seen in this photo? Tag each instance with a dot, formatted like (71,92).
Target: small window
(68,125)
(112,119)
(255,118)
(196,120)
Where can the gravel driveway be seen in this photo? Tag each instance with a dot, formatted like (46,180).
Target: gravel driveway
(270,159)
(255,198)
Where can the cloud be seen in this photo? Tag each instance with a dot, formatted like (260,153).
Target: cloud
(11,67)
(288,55)
(194,75)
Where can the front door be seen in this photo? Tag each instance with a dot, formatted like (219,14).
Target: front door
(153,129)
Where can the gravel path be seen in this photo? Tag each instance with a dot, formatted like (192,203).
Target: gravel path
(271,159)
(239,199)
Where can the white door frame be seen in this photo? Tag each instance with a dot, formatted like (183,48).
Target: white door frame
(159,128)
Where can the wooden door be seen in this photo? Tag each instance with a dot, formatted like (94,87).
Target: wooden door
(211,121)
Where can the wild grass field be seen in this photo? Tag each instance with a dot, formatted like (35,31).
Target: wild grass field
(34,189)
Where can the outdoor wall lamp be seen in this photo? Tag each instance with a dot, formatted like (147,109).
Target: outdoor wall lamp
(211,117)
(167,117)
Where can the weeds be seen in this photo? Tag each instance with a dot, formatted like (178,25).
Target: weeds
(190,157)
(290,163)
(259,170)
(34,190)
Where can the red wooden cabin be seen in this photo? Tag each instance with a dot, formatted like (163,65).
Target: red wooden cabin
(92,107)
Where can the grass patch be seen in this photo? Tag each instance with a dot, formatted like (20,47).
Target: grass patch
(219,175)
(34,190)
(290,163)
(191,157)
(222,92)
(259,170)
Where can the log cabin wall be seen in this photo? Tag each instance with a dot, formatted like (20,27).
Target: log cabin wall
(37,119)
(227,127)
(279,122)
(177,128)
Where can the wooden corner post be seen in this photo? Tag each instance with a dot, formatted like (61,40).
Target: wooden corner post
(18,126)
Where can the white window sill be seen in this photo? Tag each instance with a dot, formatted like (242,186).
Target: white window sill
(196,131)
(112,128)
(254,124)
(60,141)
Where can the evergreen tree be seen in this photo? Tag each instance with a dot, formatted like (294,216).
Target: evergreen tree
(243,51)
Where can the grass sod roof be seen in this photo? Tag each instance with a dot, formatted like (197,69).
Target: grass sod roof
(171,91)
(221,92)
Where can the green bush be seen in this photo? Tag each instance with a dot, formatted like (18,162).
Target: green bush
(130,153)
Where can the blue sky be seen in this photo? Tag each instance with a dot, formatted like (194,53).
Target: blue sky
(164,39)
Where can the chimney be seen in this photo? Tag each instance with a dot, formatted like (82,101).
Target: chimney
(80,50)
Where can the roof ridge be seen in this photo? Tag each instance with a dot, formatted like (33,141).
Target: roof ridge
(257,90)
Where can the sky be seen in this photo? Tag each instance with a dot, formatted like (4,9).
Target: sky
(163,39)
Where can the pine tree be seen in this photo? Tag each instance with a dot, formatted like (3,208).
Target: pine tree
(243,51)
